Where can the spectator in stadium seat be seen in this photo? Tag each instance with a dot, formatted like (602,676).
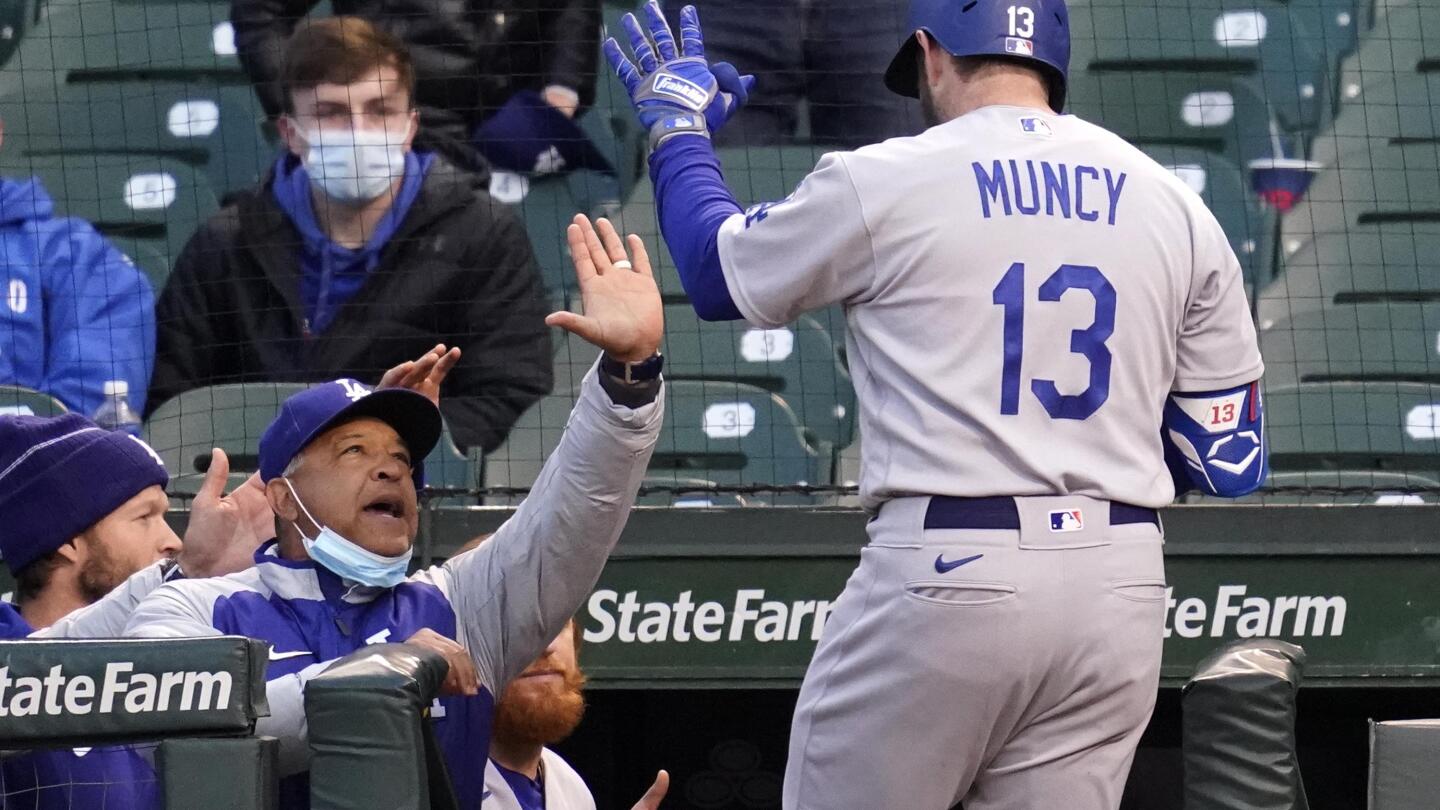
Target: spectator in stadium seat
(77,313)
(340,465)
(540,708)
(472,58)
(830,54)
(358,252)
(85,537)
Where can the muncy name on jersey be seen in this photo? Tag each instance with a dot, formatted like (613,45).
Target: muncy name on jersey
(1034,187)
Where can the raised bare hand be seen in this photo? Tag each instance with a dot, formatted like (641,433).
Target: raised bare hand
(623,313)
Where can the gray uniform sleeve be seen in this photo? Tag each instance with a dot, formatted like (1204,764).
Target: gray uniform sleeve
(107,618)
(183,610)
(514,593)
(806,252)
(1216,348)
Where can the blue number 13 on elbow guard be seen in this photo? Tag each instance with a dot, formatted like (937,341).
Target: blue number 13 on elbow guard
(1219,439)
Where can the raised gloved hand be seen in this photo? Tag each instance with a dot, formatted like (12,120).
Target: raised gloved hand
(675,92)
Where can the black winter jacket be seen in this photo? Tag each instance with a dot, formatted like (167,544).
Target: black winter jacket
(470,56)
(459,270)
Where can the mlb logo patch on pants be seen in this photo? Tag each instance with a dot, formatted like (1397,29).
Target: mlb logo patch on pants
(1067,520)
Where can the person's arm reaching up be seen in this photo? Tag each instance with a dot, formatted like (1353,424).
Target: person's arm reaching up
(767,264)
(513,594)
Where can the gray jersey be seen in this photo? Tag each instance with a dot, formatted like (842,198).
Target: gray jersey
(1022,291)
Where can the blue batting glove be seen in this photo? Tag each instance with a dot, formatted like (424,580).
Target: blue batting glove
(676,91)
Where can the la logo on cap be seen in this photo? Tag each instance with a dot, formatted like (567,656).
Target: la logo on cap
(354,390)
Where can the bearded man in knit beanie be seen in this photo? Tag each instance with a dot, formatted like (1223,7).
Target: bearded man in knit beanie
(83,531)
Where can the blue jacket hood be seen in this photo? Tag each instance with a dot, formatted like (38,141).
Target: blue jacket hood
(22,200)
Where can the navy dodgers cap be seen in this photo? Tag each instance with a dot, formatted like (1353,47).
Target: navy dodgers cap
(315,410)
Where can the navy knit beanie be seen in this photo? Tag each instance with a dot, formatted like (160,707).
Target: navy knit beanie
(59,476)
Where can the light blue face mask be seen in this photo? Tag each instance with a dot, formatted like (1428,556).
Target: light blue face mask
(347,560)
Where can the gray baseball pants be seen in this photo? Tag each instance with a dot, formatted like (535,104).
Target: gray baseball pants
(1020,679)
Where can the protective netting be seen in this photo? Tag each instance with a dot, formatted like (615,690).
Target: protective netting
(1307,126)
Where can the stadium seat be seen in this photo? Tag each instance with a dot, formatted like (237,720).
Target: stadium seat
(1261,41)
(800,363)
(201,122)
(1375,263)
(149,255)
(1323,488)
(1354,426)
(1223,187)
(159,200)
(516,463)
(15,400)
(1226,115)
(735,435)
(162,39)
(1373,340)
(233,417)
(16,18)
(673,492)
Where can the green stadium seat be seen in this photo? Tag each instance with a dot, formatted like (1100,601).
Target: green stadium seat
(203,123)
(693,493)
(735,435)
(516,463)
(1354,426)
(1261,41)
(1345,487)
(160,39)
(15,400)
(233,417)
(801,363)
(1222,114)
(1380,263)
(160,200)
(1225,190)
(149,255)
(16,19)
(1367,341)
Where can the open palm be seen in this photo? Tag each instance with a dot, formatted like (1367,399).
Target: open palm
(623,314)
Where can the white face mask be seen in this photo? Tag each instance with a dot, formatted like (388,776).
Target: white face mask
(354,165)
(345,559)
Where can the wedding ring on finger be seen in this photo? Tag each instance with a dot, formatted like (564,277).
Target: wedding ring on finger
(623,264)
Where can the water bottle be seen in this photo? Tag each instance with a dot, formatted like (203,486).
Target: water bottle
(115,413)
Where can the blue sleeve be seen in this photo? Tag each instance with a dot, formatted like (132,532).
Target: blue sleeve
(1215,441)
(100,318)
(692,201)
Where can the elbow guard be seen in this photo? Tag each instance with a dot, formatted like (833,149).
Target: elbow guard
(1217,441)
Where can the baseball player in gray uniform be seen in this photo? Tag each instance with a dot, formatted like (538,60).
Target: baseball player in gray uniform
(1048,334)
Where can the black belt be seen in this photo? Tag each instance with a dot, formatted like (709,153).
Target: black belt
(948,512)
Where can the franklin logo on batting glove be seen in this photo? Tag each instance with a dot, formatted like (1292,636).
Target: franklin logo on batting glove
(692,94)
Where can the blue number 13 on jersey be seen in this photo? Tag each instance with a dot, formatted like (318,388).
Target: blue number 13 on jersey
(1088,342)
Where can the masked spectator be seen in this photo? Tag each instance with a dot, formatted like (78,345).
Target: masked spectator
(358,252)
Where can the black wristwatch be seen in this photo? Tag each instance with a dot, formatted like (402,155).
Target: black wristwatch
(633,385)
(632,373)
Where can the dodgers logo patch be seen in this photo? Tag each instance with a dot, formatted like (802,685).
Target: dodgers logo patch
(687,91)
(1066,520)
(1023,47)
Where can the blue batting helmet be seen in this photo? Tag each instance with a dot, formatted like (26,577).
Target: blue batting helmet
(1036,32)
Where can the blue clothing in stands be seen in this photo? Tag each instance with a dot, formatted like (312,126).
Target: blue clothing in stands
(75,312)
(109,778)
(331,274)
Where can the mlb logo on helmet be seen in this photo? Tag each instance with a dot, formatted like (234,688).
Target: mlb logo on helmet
(1066,520)
(1019,47)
